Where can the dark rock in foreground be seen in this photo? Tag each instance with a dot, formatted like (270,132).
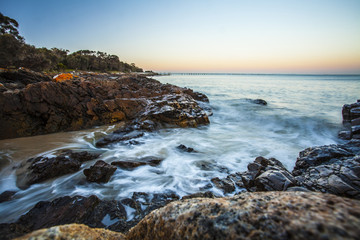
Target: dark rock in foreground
(90,211)
(330,169)
(100,172)
(261,215)
(39,169)
(36,105)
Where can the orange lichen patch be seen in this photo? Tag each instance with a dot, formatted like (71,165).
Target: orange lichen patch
(63,77)
(117,116)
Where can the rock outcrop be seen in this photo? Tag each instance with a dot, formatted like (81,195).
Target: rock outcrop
(39,169)
(73,231)
(330,169)
(351,121)
(261,215)
(31,103)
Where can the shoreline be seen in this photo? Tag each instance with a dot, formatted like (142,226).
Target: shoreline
(262,175)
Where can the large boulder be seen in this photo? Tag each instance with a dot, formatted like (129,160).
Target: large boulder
(40,105)
(261,215)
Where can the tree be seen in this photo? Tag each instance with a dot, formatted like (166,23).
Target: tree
(9,26)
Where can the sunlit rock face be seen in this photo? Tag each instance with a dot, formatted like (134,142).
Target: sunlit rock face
(260,215)
(33,103)
(73,231)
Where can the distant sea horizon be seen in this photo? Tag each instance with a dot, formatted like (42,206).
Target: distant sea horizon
(261,74)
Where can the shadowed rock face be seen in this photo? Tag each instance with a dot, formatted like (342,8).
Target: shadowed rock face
(262,215)
(40,106)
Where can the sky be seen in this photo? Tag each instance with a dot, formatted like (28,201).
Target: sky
(235,36)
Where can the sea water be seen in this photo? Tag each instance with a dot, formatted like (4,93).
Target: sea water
(302,111)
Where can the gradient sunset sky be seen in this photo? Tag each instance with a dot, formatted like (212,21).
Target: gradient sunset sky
(238,36)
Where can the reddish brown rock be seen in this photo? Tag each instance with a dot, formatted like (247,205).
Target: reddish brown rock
(40,106)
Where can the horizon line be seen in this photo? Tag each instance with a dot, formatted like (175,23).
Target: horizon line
(230,73)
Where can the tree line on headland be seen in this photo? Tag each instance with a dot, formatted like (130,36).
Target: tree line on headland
(14,52)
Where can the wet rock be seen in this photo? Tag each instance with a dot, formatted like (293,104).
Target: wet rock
(346,135)
(100,172)
(130,164)
(184,148)
(264,175)
(41,106)
(39,169)
(143,203)
(6,196)
(332,169)
(73,231)
(207,194)
(119,136)
(261,215)
(90,211)
(259,102)
(225,184)
(351,121)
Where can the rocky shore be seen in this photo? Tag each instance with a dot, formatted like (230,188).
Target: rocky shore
(318,199)
(33,103)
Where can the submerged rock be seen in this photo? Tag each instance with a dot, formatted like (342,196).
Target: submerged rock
(6,196)
(39,169)
(261,215)
(40,106)
(73,231)
(100,172)
(184,148)
(259,102)
(130,164)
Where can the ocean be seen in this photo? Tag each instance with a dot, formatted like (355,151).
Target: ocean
(302,111)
